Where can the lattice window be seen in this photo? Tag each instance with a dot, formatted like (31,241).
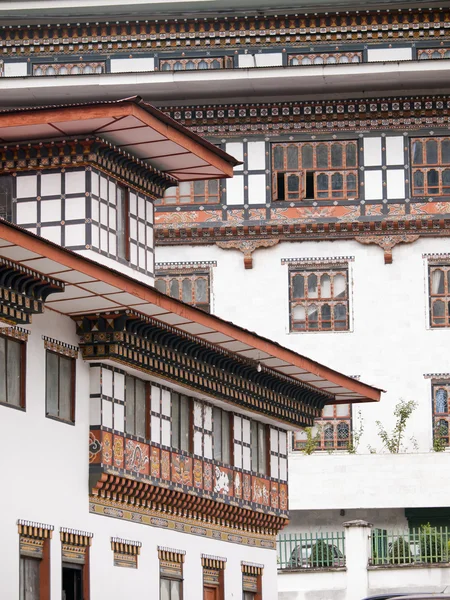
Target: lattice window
(333,429)
(315,170)
(430,166)
(327,58)
(242,443)
(160,418)
(190,286)
(278,454)
(432,53)
(192,192)
(441,414)
(192,64)
(439,282)
(80,68)
(203,429)
(319,299)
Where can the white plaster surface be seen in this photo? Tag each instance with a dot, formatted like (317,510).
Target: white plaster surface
(132,65)
(388,54)
(15,69)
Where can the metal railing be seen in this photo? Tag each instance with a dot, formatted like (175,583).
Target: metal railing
(423,544)
(321,550)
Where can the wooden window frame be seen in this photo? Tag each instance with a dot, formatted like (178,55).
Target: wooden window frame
(278,453)
(425,167)
(336,443)
(319,301)
(69,66)
(146,435)
(23,370)
(309,175)
(440,418)
(164,279)
(74,543)
(428,53)
(189,424)
(171,563)
(230,443)
(265,468)
(225,62)
(35,534)
(241,442)
(324,56)
(6,210)
(435,297)
(174,193)
(126,218)
(70,421)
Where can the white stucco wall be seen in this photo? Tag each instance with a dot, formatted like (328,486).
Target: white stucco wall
(44,467)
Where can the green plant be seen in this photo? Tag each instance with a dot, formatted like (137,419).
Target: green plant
(356,435)
(312,440)
(321,554)
(433,544)
(394,441)
(400,552)
(440,438)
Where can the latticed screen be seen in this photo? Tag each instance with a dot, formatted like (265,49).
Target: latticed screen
(315,170)
(441,414)
(319,299)
(68,68)
(325,58)
(430,166)
(192,64)
(439,295)
(192,288)
(432,53)
(331,432)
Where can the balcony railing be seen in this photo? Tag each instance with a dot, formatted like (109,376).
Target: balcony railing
(322,550)
(423,544)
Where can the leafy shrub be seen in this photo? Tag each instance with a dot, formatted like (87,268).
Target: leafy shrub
(433,544)
(400,552)
(321,554)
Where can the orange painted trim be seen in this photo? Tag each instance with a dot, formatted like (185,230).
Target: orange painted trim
(150,117)
(67,258)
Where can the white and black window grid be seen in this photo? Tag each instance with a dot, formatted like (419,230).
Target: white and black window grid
(278,454)
(122,222)
(160,415)
(249,186)
(55,205)
(242,442)
(203,429)
(107,397)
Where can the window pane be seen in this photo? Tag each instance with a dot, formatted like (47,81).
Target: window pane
(326,316)
(306,61)
(52,384)
(217,423)
(200,290)
(340,286)
(350,152)
(342,434)
(298,284)
(419,182)
(437,281)
(441,401)
(199,188)
(165,589)
(129,405)
(313,291)
(299,316)
(187,290)
(65,388)
(325,286)
(432,152)
(13,362)
(278,158)
(322,156)
(445,150)
(3,370)
(336,155)
(337,185)
(292,157)
(313,317)
(318,60)
(184,425)
(226,437)
(293,184)
(176,421)
(29,578)
(307,157)
(351,183)
(446,182)
(160,285)
(417,151)
(254,446)
(262,457)
(340,316)
(140,408)
(175,589)
(433,181)
(438,312)
(322,185)
(213,187)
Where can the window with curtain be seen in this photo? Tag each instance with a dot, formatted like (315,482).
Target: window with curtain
(441,415)
(12,372)
(190,286)
(319,299)
(135,406)
(315,170)
(60,386)
(430,161)
(439,298)
(171,589)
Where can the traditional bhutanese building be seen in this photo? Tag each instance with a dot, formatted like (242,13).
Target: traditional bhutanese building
(332,236)
(147,438)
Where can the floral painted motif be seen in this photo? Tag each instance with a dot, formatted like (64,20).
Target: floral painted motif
(198,474)
(95,447)
(274,495)
(155,467)
(261,493)
(207,477)
(165,465)
(283,497)
(181,469)
(247,487)
(107,448)
(238,484)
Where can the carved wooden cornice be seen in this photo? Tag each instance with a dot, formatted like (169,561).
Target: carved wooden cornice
(247,247)
(387,242)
